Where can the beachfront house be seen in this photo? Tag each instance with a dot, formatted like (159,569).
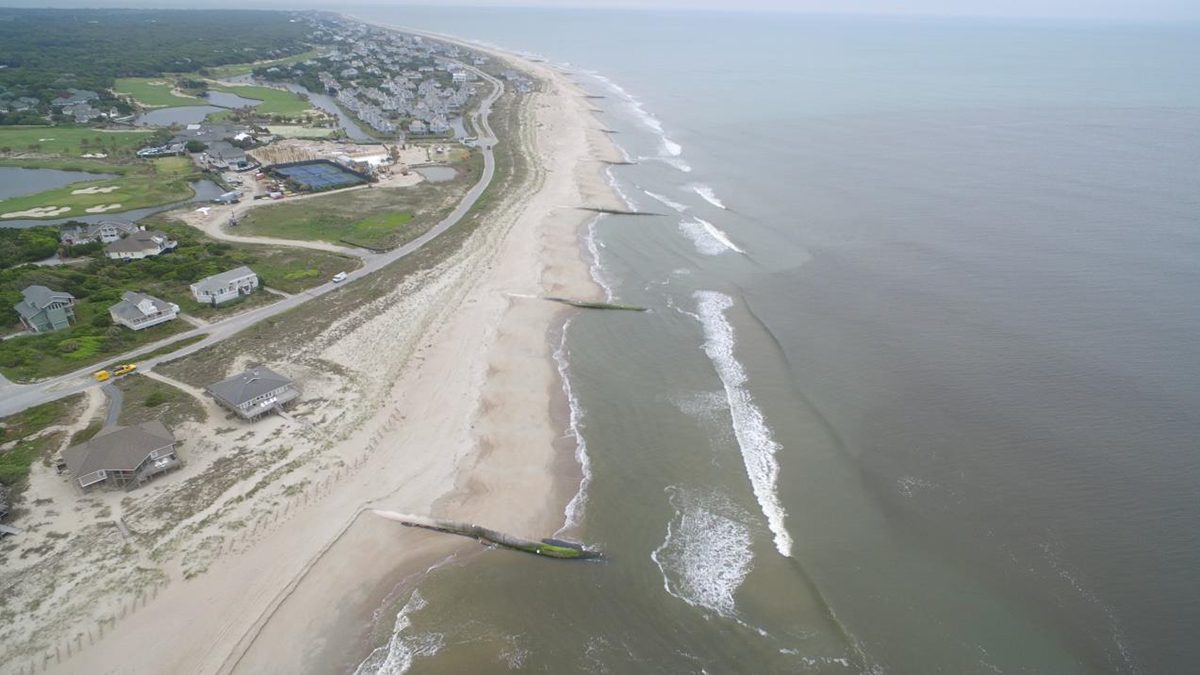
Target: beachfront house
(136,311)
(123,456)
(254,393)
(140,244)
(105,232)
(225,286)
(44,311)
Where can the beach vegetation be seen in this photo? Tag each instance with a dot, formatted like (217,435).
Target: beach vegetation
(148,399)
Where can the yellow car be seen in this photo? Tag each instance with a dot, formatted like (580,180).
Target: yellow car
(102,375)
(124,369)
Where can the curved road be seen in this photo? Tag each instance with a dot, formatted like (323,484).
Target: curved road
(17,397)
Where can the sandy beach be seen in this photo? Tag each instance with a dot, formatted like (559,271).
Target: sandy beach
(445,402)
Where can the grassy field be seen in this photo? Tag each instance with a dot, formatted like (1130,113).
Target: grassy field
(153,92)
(274,101)
(289,131)
(233,70)
(69,140)
(147,399)
(161,181)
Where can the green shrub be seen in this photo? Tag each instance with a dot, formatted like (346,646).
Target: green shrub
(156,398)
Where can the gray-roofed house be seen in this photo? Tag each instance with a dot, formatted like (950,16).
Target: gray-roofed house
(140,244)
(105,232)
(138,310)
(43,310)
(225,286)
(253,393)
(123,456)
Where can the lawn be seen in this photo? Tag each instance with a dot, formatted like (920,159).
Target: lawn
(69,140)
(154,92)
(291,131)
(274,101)
(161,181)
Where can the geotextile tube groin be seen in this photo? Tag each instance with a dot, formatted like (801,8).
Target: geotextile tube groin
(584,304)
(618,212)
(550,548)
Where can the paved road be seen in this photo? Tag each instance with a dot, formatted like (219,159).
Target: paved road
(17,397)
(116,399)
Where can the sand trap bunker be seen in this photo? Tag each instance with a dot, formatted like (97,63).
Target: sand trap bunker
(94,155)
(101,208)
(39,212)
(43,140)
(95,190)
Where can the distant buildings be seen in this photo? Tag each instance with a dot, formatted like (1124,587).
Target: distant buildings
(226,286)
(44,311)
(138,310)
(124,456)
(254,393)
(140,244)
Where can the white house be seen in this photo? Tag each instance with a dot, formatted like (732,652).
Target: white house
(225,286)
(138,310)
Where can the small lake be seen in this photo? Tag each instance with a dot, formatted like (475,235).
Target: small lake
(326,103)
(437,174)
(16,181)
(206,190)
(165,117)
(227,100)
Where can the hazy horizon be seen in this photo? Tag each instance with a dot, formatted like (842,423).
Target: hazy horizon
(1102,10)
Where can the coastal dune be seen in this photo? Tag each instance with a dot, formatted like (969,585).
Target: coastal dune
(470,429)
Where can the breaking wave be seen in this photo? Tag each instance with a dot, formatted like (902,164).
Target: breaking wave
(706,553)
(707,194)
(666,201)
(574,510)
(708,238)
(401,649)
(754,437)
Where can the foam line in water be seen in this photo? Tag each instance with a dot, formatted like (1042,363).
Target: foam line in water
(707,238)
(673,149)
(402,648)
(707,194)
(616,187)
(596,268)
(666,201)
(757,445)
(574,510)
(706,554)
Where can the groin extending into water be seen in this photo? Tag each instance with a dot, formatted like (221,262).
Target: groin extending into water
(618,212)
(550,548)
(585,304)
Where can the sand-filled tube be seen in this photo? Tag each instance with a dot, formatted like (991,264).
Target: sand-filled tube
(550,548)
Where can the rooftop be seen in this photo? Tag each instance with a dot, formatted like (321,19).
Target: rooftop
(118,449)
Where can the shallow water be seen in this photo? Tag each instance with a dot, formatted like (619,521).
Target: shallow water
(16,181)
(917,388)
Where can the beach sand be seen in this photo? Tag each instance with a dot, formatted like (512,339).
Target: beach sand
(470,428)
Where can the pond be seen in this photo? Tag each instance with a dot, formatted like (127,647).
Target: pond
(329,105)
(16,181)
(437,174)
(206,190)
(165,117)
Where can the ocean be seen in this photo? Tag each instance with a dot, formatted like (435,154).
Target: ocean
(919,389)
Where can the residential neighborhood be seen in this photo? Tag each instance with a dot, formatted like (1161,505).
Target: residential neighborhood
(44,310)
(226,286)
(138,310)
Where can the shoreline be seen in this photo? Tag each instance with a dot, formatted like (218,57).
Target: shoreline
(482,380)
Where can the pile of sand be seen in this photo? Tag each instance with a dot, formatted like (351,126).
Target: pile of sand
(101,208)
(38,212)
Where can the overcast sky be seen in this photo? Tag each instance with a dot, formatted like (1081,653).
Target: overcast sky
(1099,9)
(1081,9)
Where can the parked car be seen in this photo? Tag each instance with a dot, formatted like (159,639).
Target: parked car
(102,375)
(124,369)
(339,277)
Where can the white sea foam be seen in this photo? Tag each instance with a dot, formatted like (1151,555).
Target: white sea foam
(666,201)
(599,275)
(707,194)
(754,438)
(673,149)
(616,186)
(677,163)
(670,148)
(574,510)
(708,238)
(706,554)
(402,648)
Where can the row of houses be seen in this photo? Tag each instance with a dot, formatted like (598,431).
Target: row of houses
(123,241)
(126,457)
(43,310)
